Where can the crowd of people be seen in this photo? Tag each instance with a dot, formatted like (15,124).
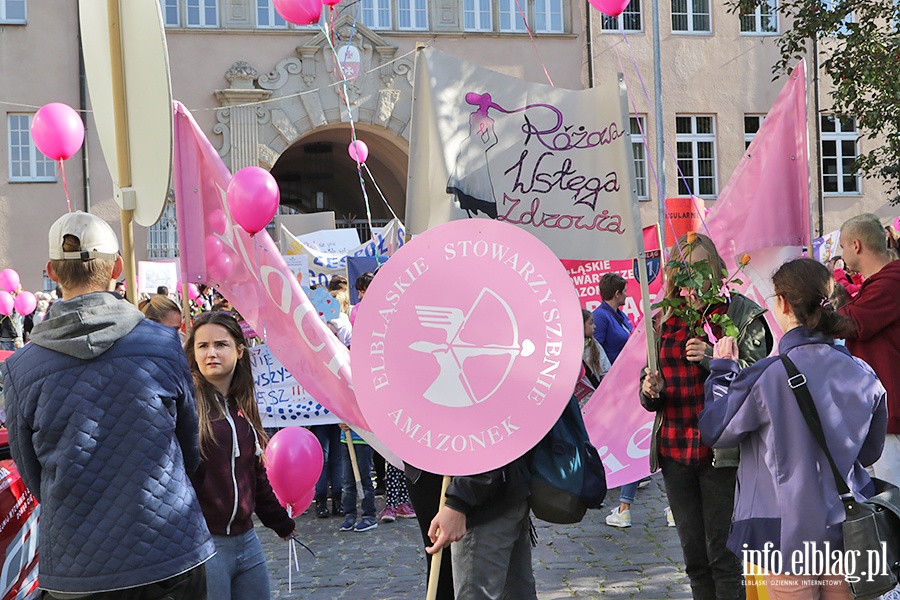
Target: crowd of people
(139,433)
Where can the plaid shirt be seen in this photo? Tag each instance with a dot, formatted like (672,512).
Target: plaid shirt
(679,436)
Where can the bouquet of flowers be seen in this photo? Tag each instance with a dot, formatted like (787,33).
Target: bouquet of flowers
(702,286)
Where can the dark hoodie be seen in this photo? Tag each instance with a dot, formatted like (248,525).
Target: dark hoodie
(102,426)
(877,340)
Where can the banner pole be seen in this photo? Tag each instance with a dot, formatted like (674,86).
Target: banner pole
(435,572)
(354,462)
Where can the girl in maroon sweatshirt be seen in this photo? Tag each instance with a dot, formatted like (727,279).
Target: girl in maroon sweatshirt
(231,481)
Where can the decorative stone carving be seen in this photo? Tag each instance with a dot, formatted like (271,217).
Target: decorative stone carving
(277,77)
(387,99)
(239,123)
(283,125)
(313,105)
(242,76)
(267,156)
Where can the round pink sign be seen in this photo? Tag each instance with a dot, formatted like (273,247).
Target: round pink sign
(467,347)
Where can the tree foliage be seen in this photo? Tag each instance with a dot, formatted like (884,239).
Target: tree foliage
(859,50)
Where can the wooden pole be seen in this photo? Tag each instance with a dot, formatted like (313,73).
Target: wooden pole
(354,462)
(123,164)
(185,304)
(436,557)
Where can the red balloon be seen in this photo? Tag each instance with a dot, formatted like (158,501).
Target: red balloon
(299,12)
(612,8)
(294,462)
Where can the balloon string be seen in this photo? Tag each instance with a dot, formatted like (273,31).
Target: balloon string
(62,169)
(534,45)
(290,566)
(375,183)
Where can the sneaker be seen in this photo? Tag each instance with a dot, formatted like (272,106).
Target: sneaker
(643,483)
(349,522)
(670,518)
(406,511)
(365,524)
(388,515)
(619,519)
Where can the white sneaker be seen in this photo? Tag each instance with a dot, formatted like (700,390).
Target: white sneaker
(670,519)
(619,519)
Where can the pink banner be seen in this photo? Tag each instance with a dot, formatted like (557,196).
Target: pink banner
(252,274)
(771,179)
(586,274)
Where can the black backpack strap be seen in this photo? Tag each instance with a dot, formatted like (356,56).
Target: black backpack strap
(589,373)
(614,313)
(797,383)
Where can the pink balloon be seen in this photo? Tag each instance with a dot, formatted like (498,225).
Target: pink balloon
(25,303)
(299,12)
(214,247)
(331,2)
(9,280)
(220,267)
(7,303)
(612,8)
(57,130)
(897,223)
(193,292)
(358,151)
(253,198)
(217,221)
(294,461)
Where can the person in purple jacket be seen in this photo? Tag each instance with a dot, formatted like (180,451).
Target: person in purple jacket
(231,481)
(786,500)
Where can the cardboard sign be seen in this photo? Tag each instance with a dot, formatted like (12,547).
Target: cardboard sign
(467,347)
(331,241)
(281,399)
(154,273)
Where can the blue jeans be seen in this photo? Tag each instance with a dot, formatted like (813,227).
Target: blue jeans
(628,492)
(10,346)
(238,570)
(364,460)
(330,438)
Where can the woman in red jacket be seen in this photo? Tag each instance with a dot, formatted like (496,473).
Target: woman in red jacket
(231,482)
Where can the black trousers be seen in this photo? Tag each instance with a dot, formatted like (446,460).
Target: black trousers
(702,501)
(425,496)
(190,585)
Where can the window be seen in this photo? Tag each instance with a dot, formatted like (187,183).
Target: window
(170,13)
(629,20)
(548,16)
(639,150)
(752,123)
(763,20)
(840,147)
(12,12)
(850,17)
(267,17)
(26,162)
(695,141)
(477,15)
(376,13)
(412,14)
(202,13)
(162,236)
(511,18)
(691,16)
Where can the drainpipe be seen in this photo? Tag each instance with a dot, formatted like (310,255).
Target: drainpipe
(818,118)
(82,103)
(589,32)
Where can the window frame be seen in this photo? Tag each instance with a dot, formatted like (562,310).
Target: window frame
(748,137)
(619,20)
(757,20)
(639,140)
(4,9)
(477,11)
(510,7)
(272,15)
(413,10)
(202,7)
(838,136)
(164,6)
(377,10)
(691,15)
(694,139)
(165,228)
(548,13)
(35,156)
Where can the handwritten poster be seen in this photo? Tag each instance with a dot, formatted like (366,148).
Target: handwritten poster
(555,162)
(281,399)
(154,273)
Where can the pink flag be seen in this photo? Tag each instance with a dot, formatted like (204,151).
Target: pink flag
(252,274)
(764,211)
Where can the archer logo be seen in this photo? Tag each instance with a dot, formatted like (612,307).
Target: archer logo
(462,347)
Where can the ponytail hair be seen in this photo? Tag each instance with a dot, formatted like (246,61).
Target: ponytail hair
(806,285)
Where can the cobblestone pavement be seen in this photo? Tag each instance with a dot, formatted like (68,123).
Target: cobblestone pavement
(587,560)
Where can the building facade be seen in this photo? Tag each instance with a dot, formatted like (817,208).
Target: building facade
(269,93)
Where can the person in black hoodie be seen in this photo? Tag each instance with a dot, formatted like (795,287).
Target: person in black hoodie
(231,481)
(487,518)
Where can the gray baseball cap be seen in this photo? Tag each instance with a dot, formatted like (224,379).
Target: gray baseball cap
(98,240)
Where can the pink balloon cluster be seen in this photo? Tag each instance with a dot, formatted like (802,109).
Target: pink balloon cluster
(57,131)
(9,280)
(612,8)
(252,197)
(294,462)
(301,12)
(25,303)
